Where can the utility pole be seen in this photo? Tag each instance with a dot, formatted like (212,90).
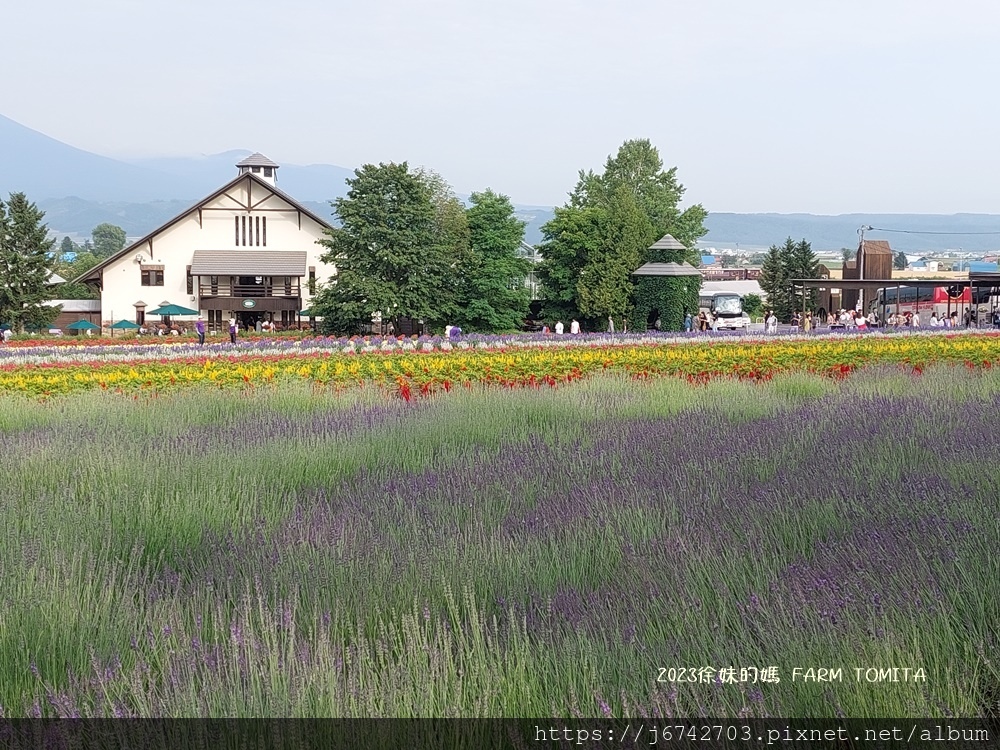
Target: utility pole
(861,264)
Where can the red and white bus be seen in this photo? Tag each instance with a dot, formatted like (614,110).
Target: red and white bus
(942,300)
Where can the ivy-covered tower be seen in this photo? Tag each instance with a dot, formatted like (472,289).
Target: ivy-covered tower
(665,288)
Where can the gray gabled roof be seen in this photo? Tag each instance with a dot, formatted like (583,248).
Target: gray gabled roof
(666,269)
(248,263)
(667,242)
(257,160)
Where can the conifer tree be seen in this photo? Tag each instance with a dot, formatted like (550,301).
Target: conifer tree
(25,264)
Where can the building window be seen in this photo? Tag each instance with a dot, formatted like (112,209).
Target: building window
(190,281)
(268,171)
(258,230)
(244,231)
(312,280)
(214,281)
(236,219)
(140,316)
(263,224)
(152,278)
(256,170)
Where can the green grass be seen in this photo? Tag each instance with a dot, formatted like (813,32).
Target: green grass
(134,527)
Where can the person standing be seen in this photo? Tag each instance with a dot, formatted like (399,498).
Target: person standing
(772,323)
(199,327)
(688,322)
(559,327)
(233,329)
(574,326)
(611,324)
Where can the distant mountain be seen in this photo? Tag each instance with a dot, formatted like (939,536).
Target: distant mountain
(43,167)
(320,183)
(835,232)
(46,169)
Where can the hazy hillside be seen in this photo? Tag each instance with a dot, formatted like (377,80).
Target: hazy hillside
(79,190)
(43,167)
(834,232)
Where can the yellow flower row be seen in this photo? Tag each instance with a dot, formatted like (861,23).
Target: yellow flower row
(528,366)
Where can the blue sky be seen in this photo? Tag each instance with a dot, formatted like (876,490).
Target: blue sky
(770,106)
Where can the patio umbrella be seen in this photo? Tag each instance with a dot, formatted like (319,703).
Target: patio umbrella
(305,313)
(83,325)
(122,325)
(169,309)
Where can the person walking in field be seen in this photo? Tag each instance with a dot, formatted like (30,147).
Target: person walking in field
(233,330)
(199,327)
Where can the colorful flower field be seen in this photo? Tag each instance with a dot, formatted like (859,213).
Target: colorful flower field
(423,367)
(613,529)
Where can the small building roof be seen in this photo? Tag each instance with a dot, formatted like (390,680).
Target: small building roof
(667,242)
(257,159)
(75,305)
(878,247)
(666,269)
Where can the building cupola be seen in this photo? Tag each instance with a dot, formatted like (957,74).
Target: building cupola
(261,166)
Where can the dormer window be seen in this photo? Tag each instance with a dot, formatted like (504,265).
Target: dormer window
(260,165)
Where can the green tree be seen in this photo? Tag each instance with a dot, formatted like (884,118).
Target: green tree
(792,260)
(606,226)
(452,227)
(108,240)
(569,239)
(72,270)
(774,281)
(494,295)
(387,252)
(605,285)
(804,265)
(753,305)
(25,264)
(900,262)
(847,254)
(67,247)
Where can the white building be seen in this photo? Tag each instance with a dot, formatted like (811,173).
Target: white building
(247,251)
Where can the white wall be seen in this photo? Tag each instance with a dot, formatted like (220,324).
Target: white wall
(174,248)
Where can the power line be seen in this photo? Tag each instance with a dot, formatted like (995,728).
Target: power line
(947,234)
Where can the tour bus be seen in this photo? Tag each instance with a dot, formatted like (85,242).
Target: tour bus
(726,307)
(936,299)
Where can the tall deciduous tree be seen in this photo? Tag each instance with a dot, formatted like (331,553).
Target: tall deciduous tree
(452,226)
(569,240)
(108,240)
(494,295)
(387,252)
(605,285)
(25,264)
(608,223)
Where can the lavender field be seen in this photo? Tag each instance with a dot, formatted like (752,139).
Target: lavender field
(291,552)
